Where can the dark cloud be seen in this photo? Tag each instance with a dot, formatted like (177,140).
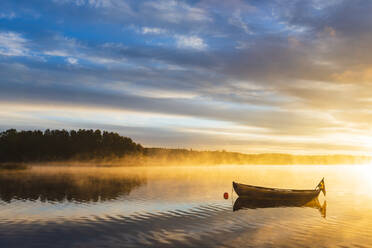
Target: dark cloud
(245,115)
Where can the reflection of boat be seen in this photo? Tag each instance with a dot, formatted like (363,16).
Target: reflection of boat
(251,203)
(251,191)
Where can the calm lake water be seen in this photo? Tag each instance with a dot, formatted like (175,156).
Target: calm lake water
(182,207)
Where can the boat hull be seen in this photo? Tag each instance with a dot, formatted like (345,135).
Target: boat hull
(250,191)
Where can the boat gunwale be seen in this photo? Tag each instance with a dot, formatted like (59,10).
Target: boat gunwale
(276,189)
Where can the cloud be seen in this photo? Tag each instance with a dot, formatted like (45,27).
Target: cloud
(72,94)
(193,42)
(237,20)
(148,30)
(91,3)
(13,44)
(72,61)
(9,16)
(176,11)
(289,67)
(57,53)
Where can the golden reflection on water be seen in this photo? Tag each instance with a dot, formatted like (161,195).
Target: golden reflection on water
(187,202)
(195,182)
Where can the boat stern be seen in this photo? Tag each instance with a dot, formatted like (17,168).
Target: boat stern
(236,188)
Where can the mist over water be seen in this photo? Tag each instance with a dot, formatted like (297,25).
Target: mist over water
(181,207)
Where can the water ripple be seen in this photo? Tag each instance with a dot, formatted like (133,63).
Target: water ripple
(153,214)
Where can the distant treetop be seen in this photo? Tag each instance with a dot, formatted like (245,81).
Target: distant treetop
(53,145)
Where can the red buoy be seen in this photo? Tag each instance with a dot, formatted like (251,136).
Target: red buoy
(226,195)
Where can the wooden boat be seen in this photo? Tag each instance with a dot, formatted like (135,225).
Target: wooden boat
(251,191)
(255,203)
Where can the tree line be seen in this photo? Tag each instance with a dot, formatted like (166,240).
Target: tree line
(57,145)
(61,145)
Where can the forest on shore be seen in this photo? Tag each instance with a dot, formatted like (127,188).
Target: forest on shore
(104,147)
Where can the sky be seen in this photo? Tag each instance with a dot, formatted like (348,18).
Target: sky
(248,76)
